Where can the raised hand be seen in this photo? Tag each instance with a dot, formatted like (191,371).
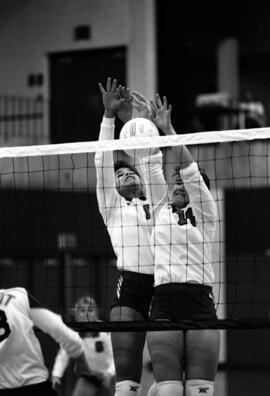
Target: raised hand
(142,105)
(125,110)
(111,97)
(161,115)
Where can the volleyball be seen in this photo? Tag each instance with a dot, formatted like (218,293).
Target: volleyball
(138,127)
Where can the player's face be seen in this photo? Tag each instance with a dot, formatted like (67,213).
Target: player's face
(179,195)
(128,183)
(85,311)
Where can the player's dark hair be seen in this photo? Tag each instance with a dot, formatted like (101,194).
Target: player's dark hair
(85,299)
(205,177)
(124,164)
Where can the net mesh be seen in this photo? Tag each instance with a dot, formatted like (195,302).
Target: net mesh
(53,240)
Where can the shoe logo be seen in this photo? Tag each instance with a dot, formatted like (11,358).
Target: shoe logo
(133,388)
(119,287)
(203,389)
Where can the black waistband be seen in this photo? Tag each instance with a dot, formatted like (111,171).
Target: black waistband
(183,286)
(136,275)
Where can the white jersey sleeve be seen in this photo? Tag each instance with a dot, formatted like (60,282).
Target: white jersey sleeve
(156,187)
(60,363)
(201,199)
(52,324)
(104,162)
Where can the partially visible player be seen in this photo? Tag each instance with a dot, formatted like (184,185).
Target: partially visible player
(98,350)
(22,368)
(184,362)
(125,206)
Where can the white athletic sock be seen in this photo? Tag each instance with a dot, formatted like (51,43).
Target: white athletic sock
(127,388)
(170,388)
(197,387)
(152,391)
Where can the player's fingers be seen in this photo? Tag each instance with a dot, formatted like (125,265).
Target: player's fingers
(122,91)
(118,90)
(158,100)
(153,106)
(140,97)
(165,103)
(108,86)
(114,85)
(136,105)
(101,88)
(128,94)
(135,99)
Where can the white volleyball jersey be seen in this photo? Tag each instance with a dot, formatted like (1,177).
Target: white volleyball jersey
(20,353)
(98,351)
(21,359)
(183,253)
(129,229)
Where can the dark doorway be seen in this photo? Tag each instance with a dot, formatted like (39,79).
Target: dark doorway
(247,274)
(76,107)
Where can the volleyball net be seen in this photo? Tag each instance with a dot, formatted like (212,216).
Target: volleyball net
(53,240)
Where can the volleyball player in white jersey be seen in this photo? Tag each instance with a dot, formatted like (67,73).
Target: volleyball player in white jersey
(182,240)
(22,369)
(99,355)
(124,208)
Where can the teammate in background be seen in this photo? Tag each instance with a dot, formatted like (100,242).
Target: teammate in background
(98,350)
(123,203)
(184,362)
(22,369)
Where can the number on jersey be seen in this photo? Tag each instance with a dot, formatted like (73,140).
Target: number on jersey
(4,326)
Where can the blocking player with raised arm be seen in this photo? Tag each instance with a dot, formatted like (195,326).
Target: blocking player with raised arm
(22,368)
(184,362)
(98,351)
(123,203)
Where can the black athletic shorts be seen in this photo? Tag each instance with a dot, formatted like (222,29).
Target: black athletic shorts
(93,379)
(40,389)
(183,301)
(134,290)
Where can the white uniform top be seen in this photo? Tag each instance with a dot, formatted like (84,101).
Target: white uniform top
(183,253)
(99,355)
(129,230)
(21,359)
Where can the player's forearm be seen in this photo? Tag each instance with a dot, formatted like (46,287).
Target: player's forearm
(107,128)
(156,186)
(104,161)
(52,324)
(181,156)
(60,364)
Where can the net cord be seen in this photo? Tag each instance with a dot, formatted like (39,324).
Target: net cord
(137,143)
(225,324)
